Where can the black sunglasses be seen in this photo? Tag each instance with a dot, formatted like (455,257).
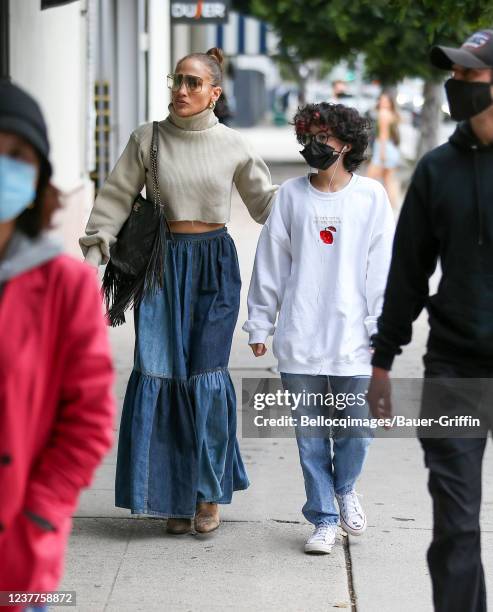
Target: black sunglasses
(320,137)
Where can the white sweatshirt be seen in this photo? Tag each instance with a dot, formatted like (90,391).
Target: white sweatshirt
(322,262)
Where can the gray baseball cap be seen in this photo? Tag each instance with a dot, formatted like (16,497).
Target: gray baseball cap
(476,52)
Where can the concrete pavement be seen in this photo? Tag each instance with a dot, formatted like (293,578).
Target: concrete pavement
(278,143)
(255,560)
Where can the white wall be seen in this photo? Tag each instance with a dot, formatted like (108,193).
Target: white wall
(181,42)
(159,58)
(121,64)
(48,59)
(49,52)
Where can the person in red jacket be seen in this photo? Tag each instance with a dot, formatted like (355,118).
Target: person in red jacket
(56,374)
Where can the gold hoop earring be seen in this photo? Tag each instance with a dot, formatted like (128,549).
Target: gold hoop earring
(212,105)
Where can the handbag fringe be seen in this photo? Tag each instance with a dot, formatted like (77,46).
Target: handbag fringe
(122,291)
(154,276)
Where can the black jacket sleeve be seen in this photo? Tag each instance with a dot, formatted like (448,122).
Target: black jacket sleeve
(414,258)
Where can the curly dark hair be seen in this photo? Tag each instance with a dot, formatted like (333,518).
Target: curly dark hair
(345,123)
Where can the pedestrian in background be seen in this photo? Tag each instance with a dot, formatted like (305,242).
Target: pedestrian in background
(447,214)
(386,155)
(339,92)
(321,264)
(178,455)
(56,404)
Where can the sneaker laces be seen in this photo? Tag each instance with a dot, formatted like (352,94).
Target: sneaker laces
(321,532)
(351,505)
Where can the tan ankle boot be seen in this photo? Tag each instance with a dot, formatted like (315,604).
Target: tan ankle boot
(206,517)
(179,526)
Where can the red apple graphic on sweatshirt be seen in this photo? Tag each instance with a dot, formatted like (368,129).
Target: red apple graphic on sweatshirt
(326,234)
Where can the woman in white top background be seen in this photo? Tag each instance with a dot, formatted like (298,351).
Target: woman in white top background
(178,456)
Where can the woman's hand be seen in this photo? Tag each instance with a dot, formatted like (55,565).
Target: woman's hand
(259,349)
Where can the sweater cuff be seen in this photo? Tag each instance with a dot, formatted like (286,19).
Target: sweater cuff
(258,336)
(94,256)
(371,326)
(382,360)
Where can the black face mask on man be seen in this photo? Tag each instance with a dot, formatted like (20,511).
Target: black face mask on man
(320,156)
(467,99)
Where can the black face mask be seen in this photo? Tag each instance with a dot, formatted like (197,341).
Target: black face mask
(467,99)
(320,156)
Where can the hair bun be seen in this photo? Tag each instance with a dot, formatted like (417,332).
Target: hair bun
(217,54)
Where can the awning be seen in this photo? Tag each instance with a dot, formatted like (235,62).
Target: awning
(46,4)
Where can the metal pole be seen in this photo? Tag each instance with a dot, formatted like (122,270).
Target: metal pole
(4,40)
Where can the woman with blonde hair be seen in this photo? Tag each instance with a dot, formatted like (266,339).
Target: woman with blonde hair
(386,156)
(178,456)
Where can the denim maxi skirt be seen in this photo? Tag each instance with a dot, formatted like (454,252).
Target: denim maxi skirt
(177,444)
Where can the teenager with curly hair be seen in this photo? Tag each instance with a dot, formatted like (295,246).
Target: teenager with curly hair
(321,266)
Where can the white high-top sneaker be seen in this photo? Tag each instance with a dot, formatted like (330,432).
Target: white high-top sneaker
(353,517)
(322,539)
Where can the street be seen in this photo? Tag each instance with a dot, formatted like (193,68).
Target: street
(84,82)
(255,560)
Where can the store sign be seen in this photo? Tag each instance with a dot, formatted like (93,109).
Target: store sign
(193,11)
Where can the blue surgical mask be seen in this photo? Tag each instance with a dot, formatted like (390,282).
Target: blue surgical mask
(17,187)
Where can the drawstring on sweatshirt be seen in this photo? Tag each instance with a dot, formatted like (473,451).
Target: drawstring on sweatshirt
(478,195)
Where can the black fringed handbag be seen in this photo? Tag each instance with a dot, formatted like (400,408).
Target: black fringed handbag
(137,259)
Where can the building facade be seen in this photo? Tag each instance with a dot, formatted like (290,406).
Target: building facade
(97,68)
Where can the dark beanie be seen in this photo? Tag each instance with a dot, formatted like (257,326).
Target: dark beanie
(20,114)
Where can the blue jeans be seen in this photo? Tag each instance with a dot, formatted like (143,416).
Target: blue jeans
(329,471)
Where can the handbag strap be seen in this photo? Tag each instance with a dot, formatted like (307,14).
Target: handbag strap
(154,165)
(155,175)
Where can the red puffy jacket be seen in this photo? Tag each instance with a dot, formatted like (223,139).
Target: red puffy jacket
(56,414)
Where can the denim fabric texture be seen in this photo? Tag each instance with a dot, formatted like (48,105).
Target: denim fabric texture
(177,444)
(330,463)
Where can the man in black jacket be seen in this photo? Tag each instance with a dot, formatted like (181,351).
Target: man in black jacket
(448,214)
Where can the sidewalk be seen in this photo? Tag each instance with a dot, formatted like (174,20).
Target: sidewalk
(255,560)
(278,145)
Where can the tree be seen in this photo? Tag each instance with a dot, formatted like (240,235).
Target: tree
(395,37)
(411,29)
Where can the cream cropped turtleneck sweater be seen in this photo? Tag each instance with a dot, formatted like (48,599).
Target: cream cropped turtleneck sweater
(199,160)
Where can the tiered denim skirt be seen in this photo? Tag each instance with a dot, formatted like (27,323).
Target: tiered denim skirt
(177,444)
